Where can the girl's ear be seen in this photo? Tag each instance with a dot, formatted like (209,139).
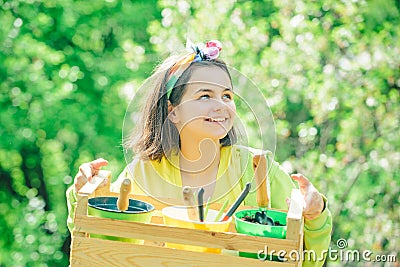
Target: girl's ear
(172,116)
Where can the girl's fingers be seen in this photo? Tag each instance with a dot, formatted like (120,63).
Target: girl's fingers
(315,210)
(312,198)
(92,168)
(98,163)
(86,170)
(301,179)
(303,182)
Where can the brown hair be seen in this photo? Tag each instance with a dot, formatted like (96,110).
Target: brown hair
(156,136)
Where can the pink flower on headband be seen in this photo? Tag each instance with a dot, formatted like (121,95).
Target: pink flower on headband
(214,43)
(212,49)
(209,52)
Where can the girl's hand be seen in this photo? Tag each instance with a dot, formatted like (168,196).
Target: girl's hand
(313,202)
(87,171)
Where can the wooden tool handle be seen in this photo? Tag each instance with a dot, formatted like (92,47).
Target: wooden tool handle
(123,200)
(260,172)
(188,200)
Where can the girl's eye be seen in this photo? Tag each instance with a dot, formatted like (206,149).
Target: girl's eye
(227,96)
(205,96)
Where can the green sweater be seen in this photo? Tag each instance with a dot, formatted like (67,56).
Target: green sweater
(235,170)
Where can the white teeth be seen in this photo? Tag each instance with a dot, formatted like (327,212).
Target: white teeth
(217,119)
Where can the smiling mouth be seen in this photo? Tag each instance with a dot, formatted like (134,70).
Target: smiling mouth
(216,120)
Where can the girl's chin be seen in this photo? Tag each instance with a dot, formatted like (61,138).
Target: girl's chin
(216,137)
(216,125)
(208,131)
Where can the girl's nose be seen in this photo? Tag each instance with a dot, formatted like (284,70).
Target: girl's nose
(219,105)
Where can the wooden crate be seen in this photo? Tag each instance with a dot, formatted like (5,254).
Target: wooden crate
(90,251)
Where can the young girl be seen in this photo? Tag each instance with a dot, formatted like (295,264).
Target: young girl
(187,137)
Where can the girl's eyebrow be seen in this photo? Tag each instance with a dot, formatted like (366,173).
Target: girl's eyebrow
(209,90)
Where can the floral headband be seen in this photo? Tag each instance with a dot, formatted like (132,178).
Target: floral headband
(209,52)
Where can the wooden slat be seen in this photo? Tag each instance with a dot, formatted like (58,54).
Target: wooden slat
(300,247)
(90,187)
(294,216)
(81,205)
(296,205)
(81,209)
(171,234)
(92,252)
(103,191)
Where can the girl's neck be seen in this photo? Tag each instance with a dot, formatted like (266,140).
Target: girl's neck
(199,156)
(199,162)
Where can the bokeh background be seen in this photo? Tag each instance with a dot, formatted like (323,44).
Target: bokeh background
(329,69)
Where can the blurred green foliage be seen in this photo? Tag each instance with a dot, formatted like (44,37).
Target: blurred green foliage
(330,72)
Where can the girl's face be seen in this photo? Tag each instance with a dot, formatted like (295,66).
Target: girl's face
(207,109)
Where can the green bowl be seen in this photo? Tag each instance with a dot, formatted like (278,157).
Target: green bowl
(255,229)
(106,207)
